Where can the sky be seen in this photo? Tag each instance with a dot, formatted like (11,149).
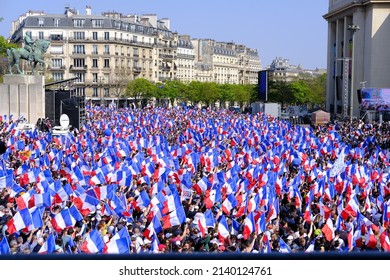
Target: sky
(294,30)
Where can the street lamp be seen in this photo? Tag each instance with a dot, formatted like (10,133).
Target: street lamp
(353,28)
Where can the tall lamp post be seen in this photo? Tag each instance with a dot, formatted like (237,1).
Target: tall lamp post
(353,28)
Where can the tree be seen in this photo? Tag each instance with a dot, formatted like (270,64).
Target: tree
(209,93)
(318,88)
(225,94)
(140,89)
(280,92)
(301,92)
(194,92)
(118,82)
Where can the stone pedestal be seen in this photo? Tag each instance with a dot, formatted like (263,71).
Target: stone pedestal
(22,95)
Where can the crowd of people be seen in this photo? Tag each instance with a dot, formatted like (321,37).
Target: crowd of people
(174,180)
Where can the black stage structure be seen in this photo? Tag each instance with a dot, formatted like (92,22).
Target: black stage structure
(61,98)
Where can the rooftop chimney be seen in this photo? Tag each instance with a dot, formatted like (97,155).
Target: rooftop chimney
(88,10)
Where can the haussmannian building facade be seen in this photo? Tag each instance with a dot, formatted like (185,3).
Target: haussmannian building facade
(358,55)
(108,50)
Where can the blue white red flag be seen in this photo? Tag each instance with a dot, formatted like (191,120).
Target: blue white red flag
(48,246)
(93,243)
(119,243)
(4,246)
(223,230)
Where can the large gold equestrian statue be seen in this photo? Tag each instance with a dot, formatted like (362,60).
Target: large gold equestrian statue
(32,51)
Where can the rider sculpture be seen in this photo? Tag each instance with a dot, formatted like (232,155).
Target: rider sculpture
(32,51)
(29,45)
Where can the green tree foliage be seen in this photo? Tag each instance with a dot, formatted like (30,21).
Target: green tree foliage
(140,89)
(280,92)
(301,92)
(306,90)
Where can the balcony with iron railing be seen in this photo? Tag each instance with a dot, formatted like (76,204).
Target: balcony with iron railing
(186,56)
(167,56)
(57,67)
(78,68)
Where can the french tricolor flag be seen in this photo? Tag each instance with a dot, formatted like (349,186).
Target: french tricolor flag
(175,218)
(223,229)
(66,218)
(40,199)
(235,227)
(386,215)
(104,191)
(215,195)
(86,204)
(307,214)
(153,228)
(27,178)
(200,221)
(143,200)
(249,225)
(36,218)
(119,243)
(93,243)
(229,203)
(261,224)
(266,245)
(97,179)
(49,246)
(202,185)
(370,239)
(384,239)
(351,209)
(21,220)
(328,230)
(253,203)
(273,210)
(171,203)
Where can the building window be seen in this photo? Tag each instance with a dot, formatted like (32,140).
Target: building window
(94,63)
(56,37)
(41,22)
(79,22)
(79,35)
(106,35)
(56,22)
(78,49)
(56,63)
(135,52)
(106,63)
(58,76)
(106,49)
(135,39)
(40,35)
(94,35)
(94,49)
(81,77)
(80,91)
(94,77)
(79,62)
(106,92)
(95,92)
(97,23)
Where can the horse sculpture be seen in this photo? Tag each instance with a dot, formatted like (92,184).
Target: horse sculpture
(14,56)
